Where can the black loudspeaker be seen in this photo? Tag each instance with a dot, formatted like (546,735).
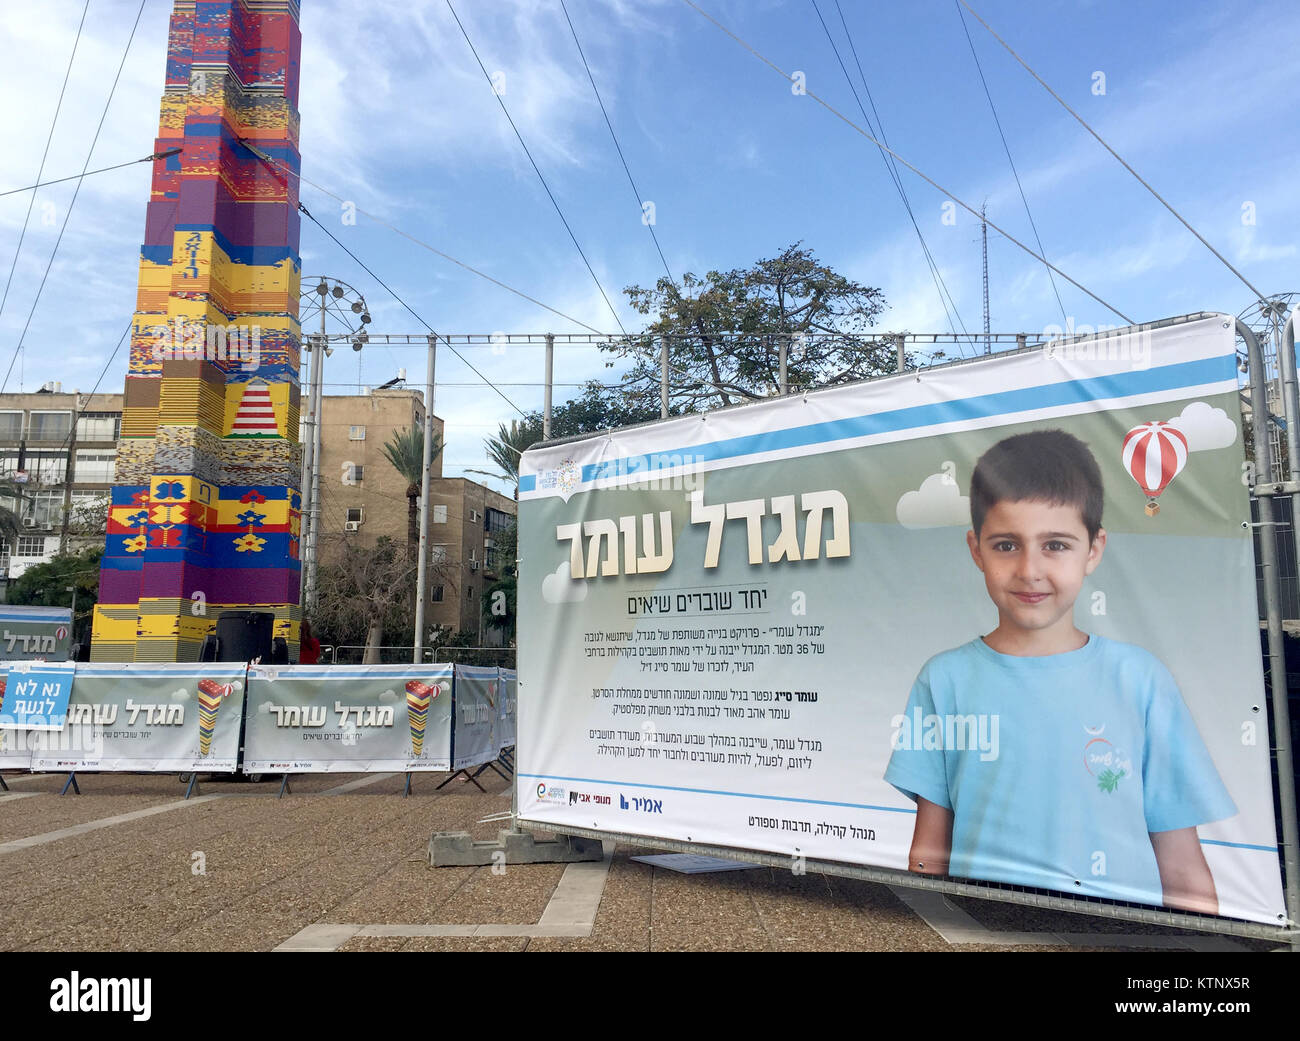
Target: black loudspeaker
(244,635)
(208,652)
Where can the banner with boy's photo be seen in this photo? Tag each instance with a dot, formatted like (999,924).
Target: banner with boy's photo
(776,628)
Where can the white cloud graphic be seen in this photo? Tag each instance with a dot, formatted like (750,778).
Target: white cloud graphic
(1205,427)
(938,503)
(180,694)
(559,588)
(388,695)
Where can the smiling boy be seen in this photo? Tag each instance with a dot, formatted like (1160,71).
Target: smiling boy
(1100,778)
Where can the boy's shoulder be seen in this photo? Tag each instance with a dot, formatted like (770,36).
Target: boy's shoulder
(1127,662)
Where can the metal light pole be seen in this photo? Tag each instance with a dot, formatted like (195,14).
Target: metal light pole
(422,568)
(328,295)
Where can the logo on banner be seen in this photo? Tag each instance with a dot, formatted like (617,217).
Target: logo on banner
(550,793)
(1108,764)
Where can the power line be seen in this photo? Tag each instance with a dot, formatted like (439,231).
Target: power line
(537,170)
(68,212)
(393,294)
(1112,151)
(1007,148)
(419,242)
(635,191)
(44,155)
(939,284)
(406,235)
(929,180)
(91,173)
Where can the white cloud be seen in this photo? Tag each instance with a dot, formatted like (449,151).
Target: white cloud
(388,695)
(559,588)
(180,694)
(938,503)
(1205,427)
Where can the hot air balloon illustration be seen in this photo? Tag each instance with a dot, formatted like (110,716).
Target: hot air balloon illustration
(1154,454)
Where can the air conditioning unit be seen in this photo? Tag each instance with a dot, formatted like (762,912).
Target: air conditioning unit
(29,522)
(473,565)
(352,525)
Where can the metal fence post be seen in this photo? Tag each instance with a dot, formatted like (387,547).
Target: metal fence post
(1273,610)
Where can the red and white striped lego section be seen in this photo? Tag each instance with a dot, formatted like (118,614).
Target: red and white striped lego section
(256,415)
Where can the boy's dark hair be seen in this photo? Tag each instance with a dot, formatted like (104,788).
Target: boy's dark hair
(1040,466)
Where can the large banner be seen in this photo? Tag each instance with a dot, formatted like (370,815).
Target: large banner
(305,719)
(474,736)
(138,717)
(35,633)
(776,628)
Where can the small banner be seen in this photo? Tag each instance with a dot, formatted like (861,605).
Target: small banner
(35,696)
(35,633)
(15,752)
(508,686)
(474,734)
(132,717)
(369,718)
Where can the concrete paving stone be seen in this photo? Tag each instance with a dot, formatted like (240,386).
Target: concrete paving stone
(46,811)
(375,943)
(467,943)
(131,874)
(517,897)
(705,912)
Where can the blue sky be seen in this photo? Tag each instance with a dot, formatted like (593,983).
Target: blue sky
(397,117)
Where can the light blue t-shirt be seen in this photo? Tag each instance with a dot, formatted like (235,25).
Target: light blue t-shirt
(1056,767)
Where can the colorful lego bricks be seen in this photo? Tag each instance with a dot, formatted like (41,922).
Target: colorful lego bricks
(205,512)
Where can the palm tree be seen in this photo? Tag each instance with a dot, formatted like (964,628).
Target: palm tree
(505,449)
(405,450)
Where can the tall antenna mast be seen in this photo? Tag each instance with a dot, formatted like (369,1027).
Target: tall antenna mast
(984,236)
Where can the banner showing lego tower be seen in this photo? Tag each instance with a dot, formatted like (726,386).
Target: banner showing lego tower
(205,511)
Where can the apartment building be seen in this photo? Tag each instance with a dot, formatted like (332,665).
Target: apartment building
(363,495)
(465,519)
(64,469)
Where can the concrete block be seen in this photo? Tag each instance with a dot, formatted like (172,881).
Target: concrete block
(457,849)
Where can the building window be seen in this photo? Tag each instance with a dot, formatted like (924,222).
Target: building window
(30,546)
(469,592)
(357,433)
(43,510)
(473,516)
(436,595)
(49,426)
(358,471)
(496,520)
(98,426)
(440,515)
(94,466)
(438,554)
(11,426)
(45,467)
(355,515)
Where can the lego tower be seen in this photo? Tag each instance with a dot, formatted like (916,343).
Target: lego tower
(204,512)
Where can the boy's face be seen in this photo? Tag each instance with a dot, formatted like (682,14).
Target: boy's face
(1035,556)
